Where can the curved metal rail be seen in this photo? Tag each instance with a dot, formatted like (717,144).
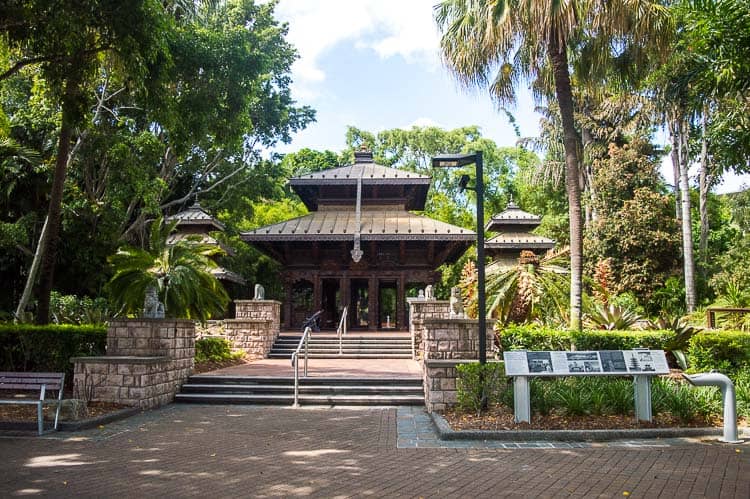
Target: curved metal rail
(303,342)
(341,331)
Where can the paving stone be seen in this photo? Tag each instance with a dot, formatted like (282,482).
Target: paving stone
(238,451)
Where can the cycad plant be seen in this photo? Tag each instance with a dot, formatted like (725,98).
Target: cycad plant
(180,272)
(536,288)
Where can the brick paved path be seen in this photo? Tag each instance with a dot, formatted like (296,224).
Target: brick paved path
(221,451)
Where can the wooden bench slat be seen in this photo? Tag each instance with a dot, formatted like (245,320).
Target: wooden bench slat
(11,386)
(30,374)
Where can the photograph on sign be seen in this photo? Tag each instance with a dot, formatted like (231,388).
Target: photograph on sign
(639,361)
(583,362)
(539,362)
(613,361)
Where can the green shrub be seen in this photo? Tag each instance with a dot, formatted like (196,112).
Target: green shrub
(683,401)
(742,392)
(621,340)
(533,337)
(726,351)
(476,382)
(214,349)
(24,347)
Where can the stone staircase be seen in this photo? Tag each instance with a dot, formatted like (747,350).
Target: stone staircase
(317,391)
(353,347)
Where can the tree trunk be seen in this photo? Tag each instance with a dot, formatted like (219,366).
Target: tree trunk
(33,271)
(559,58)
(674,132)
(703,187)
(49,251)
(687,229)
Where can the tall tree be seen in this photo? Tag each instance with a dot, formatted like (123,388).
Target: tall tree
(66,39)
(501,43)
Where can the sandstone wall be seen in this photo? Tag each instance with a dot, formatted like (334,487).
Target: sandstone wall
(146,363)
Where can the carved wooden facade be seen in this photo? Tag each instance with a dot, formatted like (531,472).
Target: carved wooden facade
(361,207)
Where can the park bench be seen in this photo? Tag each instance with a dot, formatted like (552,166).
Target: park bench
(22,383)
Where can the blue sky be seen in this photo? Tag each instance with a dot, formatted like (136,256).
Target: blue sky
(375,65)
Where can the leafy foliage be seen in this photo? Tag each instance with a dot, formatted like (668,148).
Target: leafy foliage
(726,351)
(49,348)
(214,349)
(478,383)
(179,272)
(611,317)
(533,288)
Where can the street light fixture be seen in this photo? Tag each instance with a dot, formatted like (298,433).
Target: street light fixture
(454,161)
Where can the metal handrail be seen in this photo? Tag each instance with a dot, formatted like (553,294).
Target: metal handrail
(342,328)
(304,341)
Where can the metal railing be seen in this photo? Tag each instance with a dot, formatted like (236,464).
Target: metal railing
(304,341)
(341,331)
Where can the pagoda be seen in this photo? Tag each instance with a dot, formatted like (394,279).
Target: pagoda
(195,224)
(514,226)
(360,247)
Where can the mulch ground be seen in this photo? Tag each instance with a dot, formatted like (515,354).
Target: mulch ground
(499,418)
(24,413)
(204,367)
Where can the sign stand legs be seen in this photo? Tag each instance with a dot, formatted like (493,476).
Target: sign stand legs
(521,399)
(642,387)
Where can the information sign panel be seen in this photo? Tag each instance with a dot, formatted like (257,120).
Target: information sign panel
(588,363)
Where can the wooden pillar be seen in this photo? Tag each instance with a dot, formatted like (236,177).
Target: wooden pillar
(288,285)
(317,301)
(372,297)
(401,302)
(344,293)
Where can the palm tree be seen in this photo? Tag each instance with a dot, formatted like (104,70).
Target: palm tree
(502,42)
(180,272)
(533,287)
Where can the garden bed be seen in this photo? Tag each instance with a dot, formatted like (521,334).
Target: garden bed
(500,418)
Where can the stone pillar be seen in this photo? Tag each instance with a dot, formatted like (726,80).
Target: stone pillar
(420,309)
(448,342)
(269,310)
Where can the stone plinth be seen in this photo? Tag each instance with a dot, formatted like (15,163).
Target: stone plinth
(146,363)
(260,309)
(254,336)
(420,309)
(173,338)
(454,338)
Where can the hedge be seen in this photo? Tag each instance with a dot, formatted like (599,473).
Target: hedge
(533,337)
(622,340)
(726,351)
(25,347)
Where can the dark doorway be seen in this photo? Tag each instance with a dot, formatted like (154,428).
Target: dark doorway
(359,308)
(331,299)
(388,296)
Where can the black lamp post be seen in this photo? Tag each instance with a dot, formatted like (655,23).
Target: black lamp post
(458,160)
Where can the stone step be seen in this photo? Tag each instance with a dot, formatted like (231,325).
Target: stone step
(335,400)
(303,388)
(211,379)
(313,355)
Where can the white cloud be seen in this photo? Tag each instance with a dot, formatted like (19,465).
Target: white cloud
(388,27)
(422,122)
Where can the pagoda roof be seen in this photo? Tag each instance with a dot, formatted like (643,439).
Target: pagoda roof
(519,241)
(512,219)
(415,186)
(376,225)
(195,215)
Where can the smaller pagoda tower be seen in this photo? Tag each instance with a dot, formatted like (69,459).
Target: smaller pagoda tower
(195,224)
(514,226)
